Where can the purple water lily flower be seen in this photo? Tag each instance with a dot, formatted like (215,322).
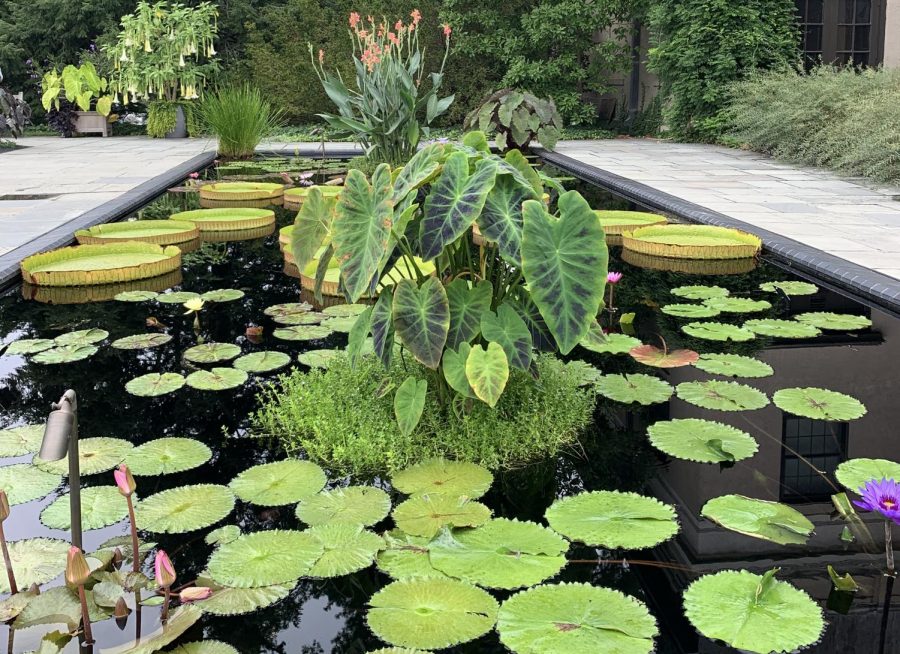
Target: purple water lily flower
(881,496)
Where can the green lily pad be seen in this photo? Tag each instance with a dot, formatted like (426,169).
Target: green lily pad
(790,288)
(265,558)
(318,358)
(613,344)
(305,318)
(302,333)
(287,308)
(699,440)
(24,483)
(136,296)
(29,346)
(212,352)
(278,483)
(183,509)
(65,354)
(94,455)
(406,556)
(643,389)
(717,331)
(854,473)
(342,324)
(500,554)
(818,404)
(17,441)
(426,515)
(650,355)
(575,619)
(217,379)
(101,506)
(260,362)
(781,328)
(721,395)
(834,321)
(733,365)
(361,505)
(689,310)
(180,620)
(345,310)
(737,304)
(431,613)
(457,478)
(584,372)
(700,292)
(762,519)
(204,646)
(35,561)
(222,535)
(753,613)
(140,341)
(239,601)
(613,519)
(223,295)
(82,337)
(155,384)
(178,297)
(166,456)
(347,548)
(57,605)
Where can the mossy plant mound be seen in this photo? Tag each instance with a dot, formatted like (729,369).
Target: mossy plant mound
(89,265)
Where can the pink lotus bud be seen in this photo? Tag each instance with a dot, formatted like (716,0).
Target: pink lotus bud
(124,480)
(614,277)
(77,570)
(4,505)
(165,571)
(194,594)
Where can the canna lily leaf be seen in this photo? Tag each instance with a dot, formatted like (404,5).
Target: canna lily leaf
(265,558)
(501,221)
(762,519)
(781,328)
(140,341)
(136,296)
(17,441)
(287,309)
(487,372)
(613,519)
(650,355)
(223,295)
(699,440)
(717,331)
(65,354)
(24,483)
(239,601)
(700,292)
(35,561)
(82,337)
(733,365)
(178,297)
(790,288)
(426,515)
(183,509)
(94,455)
(29,346)
(422,319)
(752,612)
(155,384)
(166,456)
(737,304)
(467,305)
(507,328)
(302,333)
(818,404)
(573,618)
(690,310)
(221,536)
(211,352)
(611,344)
(217,379)
(359,505)
(454,478)
(409,402)
(101,506)
(454,368)
(564,262)
(407,556)
(854,473)
(205,646)
(260,362)
(318,358)
(312,226)
(431,613)
(347,548)
(279,483)
(643,389)
(835,321)
(345,310)
(500,554)
(721,395)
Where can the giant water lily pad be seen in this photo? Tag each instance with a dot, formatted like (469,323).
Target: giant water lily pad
(345,310)
(65,354)
(177,297)
(771,521)
(737,304)
(431,613)
(82,337)
(29,346)
(223,295)
(347,548)
(302,333)
(165,456)
(717,331)
(818,404)
(406,556)
(689,310)
(217,379)
(17,441)
(425,515)
(643,389)
(238,601)
(155,383)
(265,558)
(613,519)
(318,358)
(575,619)
(854,474)
(700,292)
(834,321)
(753,613)
(457,478)
(278,483)
(183,509)
(611,344)
(101,506)
(260,362)
(781,328)
(500,554)
(94,455)
(361,505)
(136,296)
(212,352)
(231,219)
(650,355)
(24,483)
(92,265)
(35,561)
(721,395)
(704,441)
(790,288)
(733,365)
(140,341)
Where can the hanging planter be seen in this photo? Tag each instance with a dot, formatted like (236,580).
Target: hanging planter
(90,265)
(219,220)
(161,232)
(614,223)
(102,293)
(294,197)
(692,242)
(239,191)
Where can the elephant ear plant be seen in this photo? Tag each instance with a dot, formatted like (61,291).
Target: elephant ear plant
(517,118)
(538,283)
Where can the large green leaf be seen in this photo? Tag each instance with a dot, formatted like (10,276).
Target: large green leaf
(422,319)
(226,600)
(737,304)
(65,354)
(101,506)
(611,344)
(361,227)
(360,505)
(419,170)
(818,404)
(260,362)
(183,509)
(217,379)
(487,372)
(454,369)
(455,478)
(564,261)
(790,288)
(753,613)
(166,456)
(82,337)
(24,483)
(529,312)
(699,440)
(643,389)
(426,515)
(312,226)
(854,474)
(517,166)
(17,441)
(140,341)
(733,365)
(500,221)
(721,395)
(689,310)
(155,384)
(265,558)
(287,309)
(279,483)
(454,202)
(781,328)
(575,619)
(771,521)
(613,519)
(467,304)
(431,613)
(35,561)
(717,331)
(221,295)
(508,329)
(94,455)
(211,352)
(343,324)
(700,292)
(302,333)
(500,554)
(57,605)
(834,321)
(178,297)
(319,358)
(406,556)
(409,402)
(29,346)
(347,548)
(382,326)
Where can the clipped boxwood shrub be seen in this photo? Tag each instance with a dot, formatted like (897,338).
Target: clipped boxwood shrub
(338,419)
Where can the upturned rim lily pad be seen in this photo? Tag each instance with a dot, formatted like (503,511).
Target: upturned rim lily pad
(184,509)
(265,558)
(155,384)
(140,341)
(165,456)
(95,455)
(833,321)
(721,395)
(643,389)
(24,483)
(772,521)
(426,515)
(704,441)
(101,506)
(279,482)
(65,354)
(211,352)
(18,441)
(733,365)
(362,505)
(35,561)
(778,328)
(216,379)
(260,362)
(818,404)
(25,346)
(457,478)
(717,331)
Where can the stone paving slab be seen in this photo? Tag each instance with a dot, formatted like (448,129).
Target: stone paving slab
(848,217)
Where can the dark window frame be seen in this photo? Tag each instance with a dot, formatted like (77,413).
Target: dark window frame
(785,493)
(830,51)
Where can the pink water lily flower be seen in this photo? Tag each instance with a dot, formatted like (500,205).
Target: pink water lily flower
(194,594)
(613,277)
(882,497)
(165,571)
(124,480)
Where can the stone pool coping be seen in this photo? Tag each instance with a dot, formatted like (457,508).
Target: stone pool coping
(874,288)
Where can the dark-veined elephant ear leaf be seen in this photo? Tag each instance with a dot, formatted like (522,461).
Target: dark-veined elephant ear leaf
(362,325)
(500,221)
(422,319)
(564,261)
(467,304)
(382,326)
(418,171)
(312,226)
(409,402)
(507,328)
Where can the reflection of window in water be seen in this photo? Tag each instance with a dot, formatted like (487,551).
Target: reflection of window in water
(823,444)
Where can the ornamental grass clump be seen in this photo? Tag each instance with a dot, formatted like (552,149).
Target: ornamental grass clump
(240,117)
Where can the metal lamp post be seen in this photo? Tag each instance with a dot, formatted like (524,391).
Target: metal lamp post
(61,438)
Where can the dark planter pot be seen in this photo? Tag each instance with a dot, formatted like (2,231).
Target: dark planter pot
(180,129)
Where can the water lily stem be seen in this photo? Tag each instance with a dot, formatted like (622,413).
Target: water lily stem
(13,589)
(135,543)
(165,608)
(888,548)
(85,616)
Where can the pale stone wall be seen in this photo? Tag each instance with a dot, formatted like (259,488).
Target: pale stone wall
(892,34)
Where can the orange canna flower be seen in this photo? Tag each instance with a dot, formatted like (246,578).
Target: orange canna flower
(321,56)
(354,19)
(393,39)
(416,16)
(398,26)
(447,30)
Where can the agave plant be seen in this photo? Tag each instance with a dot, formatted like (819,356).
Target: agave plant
(517,118)
(538,283)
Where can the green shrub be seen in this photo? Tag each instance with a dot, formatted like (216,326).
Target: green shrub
(835,117)
(339,418)
(240,117)
(162,116)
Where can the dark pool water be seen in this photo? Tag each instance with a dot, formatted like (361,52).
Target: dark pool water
(322,617)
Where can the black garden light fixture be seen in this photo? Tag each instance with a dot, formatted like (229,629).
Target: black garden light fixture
(61,438)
